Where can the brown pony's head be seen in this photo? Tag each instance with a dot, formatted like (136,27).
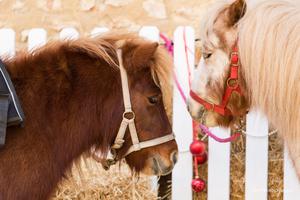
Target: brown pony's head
(148,68)
(218,36)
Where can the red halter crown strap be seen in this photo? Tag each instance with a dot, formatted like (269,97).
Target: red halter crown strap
(232,85)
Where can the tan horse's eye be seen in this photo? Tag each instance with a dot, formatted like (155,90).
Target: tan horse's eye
(206,55)
(154,99)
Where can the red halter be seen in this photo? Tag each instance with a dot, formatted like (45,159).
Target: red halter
(232,85)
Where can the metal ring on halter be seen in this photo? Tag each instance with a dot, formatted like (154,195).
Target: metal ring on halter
(131,113)
(232,83)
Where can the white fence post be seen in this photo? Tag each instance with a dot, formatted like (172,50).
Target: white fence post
(68,33)
(291,183)
(36,37)
(7,42)
(218,186)
(182,122)
(98,31)
(256,172)
(150,33)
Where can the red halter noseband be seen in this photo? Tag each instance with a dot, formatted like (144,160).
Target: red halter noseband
(232,85)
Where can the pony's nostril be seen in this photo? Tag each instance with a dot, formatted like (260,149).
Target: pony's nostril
(174,157)
(188,108)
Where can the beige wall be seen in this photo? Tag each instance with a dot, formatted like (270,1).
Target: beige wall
(53,15)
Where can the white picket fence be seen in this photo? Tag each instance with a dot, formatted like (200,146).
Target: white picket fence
(256,175)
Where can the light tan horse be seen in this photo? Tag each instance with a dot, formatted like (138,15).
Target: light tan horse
(268,40)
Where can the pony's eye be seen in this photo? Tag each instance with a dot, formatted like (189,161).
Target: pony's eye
(154,99)
(206,55)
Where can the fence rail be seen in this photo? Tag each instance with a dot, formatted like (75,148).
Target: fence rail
(256,174)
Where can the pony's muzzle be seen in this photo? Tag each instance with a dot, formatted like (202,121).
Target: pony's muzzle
(163,166)
(195,109)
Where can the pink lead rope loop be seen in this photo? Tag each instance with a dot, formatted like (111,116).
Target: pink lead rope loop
(216,138)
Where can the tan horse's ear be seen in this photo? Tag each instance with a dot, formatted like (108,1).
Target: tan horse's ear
(236,11)
(143,54)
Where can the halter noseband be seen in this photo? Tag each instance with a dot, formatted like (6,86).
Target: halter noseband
(128,121)
(232,85)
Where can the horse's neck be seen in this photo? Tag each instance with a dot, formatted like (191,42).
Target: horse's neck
(65,115)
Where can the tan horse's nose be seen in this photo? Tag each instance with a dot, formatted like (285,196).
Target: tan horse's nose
(196,110)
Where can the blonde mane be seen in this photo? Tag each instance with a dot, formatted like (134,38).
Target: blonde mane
(269,46)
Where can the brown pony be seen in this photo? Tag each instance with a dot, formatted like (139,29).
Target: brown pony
(71,95)
(266,36)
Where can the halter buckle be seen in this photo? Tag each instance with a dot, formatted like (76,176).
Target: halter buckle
(137,147)
(232,83)
(129,115)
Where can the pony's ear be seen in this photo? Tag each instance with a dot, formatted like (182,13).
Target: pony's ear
(236,11)
(143,53)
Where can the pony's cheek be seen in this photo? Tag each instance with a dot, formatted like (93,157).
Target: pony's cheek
(210,120)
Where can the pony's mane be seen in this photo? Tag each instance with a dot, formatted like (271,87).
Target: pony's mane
(269,43)
(104,48)
(161,66)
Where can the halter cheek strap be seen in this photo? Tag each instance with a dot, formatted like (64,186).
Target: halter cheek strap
(128,121)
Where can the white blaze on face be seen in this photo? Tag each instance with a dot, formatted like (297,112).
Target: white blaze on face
(200,78)
(198,86)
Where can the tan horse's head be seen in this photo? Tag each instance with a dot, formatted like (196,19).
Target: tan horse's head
(218,37)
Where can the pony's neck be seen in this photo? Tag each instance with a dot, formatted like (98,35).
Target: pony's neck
(70,101)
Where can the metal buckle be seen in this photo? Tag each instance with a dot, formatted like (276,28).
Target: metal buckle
(131,116)
(232,83)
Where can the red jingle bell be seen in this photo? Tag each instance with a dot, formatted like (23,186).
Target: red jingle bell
(197,147)
(201,159)
(198,185)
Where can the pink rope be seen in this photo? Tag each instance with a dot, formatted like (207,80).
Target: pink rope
(187,57)
(218,139)
(169,46)
(179,88)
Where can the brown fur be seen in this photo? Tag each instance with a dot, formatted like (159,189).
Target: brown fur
(235,12)
(71,95)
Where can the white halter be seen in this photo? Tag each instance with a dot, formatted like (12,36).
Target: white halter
(129,122)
